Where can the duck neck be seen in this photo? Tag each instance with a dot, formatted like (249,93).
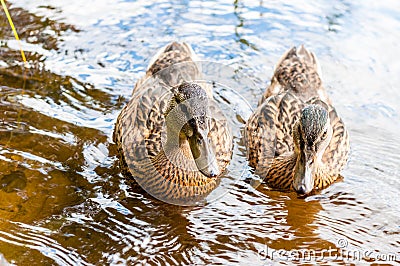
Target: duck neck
(175,162)
(323,177)
(178,153)
(280,174)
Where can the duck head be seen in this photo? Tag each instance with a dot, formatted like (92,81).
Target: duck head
(188,117)
(312,134)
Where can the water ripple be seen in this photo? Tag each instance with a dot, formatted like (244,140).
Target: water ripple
(63,198)
(35,238)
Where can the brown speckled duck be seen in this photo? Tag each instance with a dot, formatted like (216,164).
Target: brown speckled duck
(168,136)
(295,139)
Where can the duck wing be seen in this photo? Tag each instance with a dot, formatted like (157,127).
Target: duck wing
(298,71)
(221,136)
(172,64)
(269,129)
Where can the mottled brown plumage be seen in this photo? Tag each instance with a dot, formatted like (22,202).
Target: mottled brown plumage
(297,71)
(157,130)
(295,121)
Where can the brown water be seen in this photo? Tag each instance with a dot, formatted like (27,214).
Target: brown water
(63,200)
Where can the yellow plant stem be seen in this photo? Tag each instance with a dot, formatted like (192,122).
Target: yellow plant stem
(23,58)
(14,31)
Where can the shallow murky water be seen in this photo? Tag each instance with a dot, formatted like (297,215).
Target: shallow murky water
(63,200)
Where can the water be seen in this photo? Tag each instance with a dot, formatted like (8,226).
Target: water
(63,200)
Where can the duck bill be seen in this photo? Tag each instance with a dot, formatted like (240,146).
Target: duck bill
(204,155)
(303,181)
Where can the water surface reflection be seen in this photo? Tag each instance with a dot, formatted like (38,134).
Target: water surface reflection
(63,198)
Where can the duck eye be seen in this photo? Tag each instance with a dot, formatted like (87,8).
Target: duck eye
(199,141)
(325,134)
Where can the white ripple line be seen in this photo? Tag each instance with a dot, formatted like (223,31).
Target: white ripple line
(49,251)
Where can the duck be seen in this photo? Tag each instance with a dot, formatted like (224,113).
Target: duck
(295,139)
(171,138)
